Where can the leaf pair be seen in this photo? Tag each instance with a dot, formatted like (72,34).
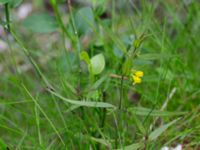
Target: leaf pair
(96,64)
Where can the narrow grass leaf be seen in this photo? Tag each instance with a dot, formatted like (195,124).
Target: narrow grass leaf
(134,146)
(141,111)
(37,120)
(72,108)
(139,124)
(102,141)
(15,102)
(84,103)
(154,56)
(11,130)
(157,132)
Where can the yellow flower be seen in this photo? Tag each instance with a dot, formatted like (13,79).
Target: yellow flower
(136,76)
(136,79)
(139,73)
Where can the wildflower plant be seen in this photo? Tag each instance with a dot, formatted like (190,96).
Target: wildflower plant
(127,62)
(76,83)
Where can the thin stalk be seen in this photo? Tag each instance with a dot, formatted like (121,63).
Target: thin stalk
(62,26)
(117,131)
(102,116)
(7,17)
(113,14)
(104,112)
(78,47)
(37,119)
(121,92)
(58,17)
(27,53)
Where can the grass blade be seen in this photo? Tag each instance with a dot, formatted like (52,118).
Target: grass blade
(134,146)
(157,132)
(42,111)
(142,111)
(84,103)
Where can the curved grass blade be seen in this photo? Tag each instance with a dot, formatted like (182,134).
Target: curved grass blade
(157,132)
(142,111)
(84,103)
(134,146)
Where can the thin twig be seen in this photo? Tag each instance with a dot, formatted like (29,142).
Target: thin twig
(118,76)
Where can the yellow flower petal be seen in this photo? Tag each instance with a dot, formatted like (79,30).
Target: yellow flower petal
(136,79)
(139,73)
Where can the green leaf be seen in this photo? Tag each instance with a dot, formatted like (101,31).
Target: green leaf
(84,20)
(4,1)
(41,23)
(157,132)
(97,64)
(85,57)
(84,103)
(134,146)
(141,111)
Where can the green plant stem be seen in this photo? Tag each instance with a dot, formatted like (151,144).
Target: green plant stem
(27,53)
(113,14)
(104,112)
(121,92)
(7,17)
(102,116)
(62,27)
(78,47)
(59,18)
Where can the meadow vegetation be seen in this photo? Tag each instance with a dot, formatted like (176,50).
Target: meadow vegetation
(107,74)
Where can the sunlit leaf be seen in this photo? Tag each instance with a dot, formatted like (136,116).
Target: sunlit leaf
(85,57)
(97,63)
